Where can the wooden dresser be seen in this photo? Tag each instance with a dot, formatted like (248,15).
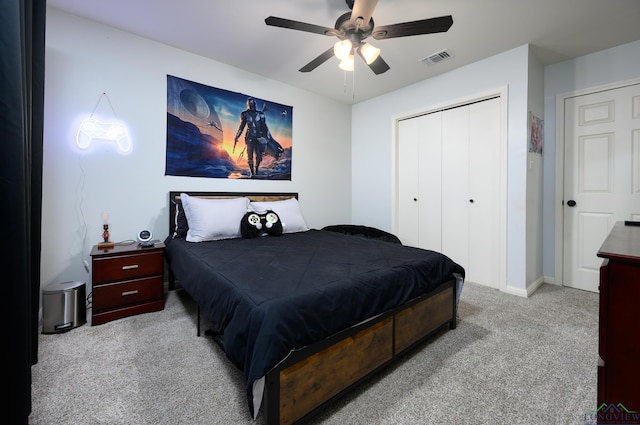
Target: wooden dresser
(619,345)
(127,280)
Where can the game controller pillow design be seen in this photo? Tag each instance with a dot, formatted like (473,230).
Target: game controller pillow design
(256,224)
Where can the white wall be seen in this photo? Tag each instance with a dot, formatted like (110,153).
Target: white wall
(372,144)
(531,253)
(85,59)
(535,179)
(608,66)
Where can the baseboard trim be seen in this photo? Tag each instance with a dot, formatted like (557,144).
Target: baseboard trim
(525,293)
(534,286)
(516,291)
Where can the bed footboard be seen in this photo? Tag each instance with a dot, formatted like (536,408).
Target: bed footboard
(316,375)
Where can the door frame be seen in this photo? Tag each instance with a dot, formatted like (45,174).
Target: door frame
(560,142)
(502,93)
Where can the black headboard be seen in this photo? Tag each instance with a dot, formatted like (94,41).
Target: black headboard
(174,198)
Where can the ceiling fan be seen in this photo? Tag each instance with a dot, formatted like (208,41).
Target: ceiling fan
(352,28)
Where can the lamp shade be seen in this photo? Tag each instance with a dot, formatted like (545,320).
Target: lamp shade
(369,53)
(342,49)
(347,64)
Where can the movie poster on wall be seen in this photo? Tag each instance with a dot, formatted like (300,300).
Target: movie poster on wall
(217,133)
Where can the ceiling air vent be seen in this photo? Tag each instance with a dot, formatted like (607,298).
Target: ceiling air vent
(437,57)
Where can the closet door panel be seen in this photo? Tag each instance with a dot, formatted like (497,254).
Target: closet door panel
(455,183)
(430,195)
(484,214)
(419,191)
(408,181)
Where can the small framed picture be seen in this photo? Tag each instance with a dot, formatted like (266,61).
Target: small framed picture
(536,134)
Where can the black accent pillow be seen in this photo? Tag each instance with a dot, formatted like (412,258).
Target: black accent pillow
(182,226)
(255,224)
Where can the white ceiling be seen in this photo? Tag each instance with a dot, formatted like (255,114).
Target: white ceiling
(234,32)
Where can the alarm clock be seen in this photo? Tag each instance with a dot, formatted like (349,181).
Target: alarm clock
(144,237)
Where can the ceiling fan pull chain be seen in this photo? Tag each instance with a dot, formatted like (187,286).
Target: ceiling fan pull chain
(344,81)
(353,82)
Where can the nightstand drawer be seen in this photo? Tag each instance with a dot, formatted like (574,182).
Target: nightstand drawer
(126,293)
(111,269)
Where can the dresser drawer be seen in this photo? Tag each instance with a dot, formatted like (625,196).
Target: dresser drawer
(120,294)
(125,267)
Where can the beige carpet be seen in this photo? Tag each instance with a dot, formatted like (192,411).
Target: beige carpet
(510,361)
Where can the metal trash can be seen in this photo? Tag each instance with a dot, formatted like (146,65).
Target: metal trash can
(63,307)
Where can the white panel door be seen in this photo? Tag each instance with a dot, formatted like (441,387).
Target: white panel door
(420,182)
(408,181)
(484,193)
(471,181)
(601,176)
(455,185)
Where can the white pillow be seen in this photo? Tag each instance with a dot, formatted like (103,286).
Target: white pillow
(213,219)
(288,211)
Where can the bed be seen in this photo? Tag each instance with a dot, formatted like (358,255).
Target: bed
(306,314)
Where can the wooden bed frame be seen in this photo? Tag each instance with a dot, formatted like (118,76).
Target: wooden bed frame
(312,377)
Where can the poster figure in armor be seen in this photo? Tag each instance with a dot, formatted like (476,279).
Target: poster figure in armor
(257,136)
(202,122)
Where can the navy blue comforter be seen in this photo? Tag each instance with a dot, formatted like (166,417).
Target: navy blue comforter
(269,295)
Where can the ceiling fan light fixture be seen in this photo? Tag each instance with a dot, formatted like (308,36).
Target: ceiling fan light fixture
(353,27)
(347,64)
(342,49)
(369,53)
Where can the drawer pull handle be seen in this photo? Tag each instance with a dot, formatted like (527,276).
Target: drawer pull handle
(129,292)
(131,267)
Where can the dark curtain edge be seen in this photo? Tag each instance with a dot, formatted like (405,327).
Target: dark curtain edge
(22,45)
(37,132)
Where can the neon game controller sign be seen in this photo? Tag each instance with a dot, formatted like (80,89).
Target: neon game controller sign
(93,131)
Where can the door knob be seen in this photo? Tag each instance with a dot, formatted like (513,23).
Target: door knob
(415,199)
(471,200)
(571,203)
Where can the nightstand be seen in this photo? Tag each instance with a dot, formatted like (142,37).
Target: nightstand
(127,280)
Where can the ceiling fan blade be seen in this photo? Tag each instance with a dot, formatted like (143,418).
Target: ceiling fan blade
(424,26)
(363,9)
(299,26)
(378,66)
(317,61)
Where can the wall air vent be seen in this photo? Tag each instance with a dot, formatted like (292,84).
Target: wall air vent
(437,57)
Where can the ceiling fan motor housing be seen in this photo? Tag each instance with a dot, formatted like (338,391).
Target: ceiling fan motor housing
(354,31)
